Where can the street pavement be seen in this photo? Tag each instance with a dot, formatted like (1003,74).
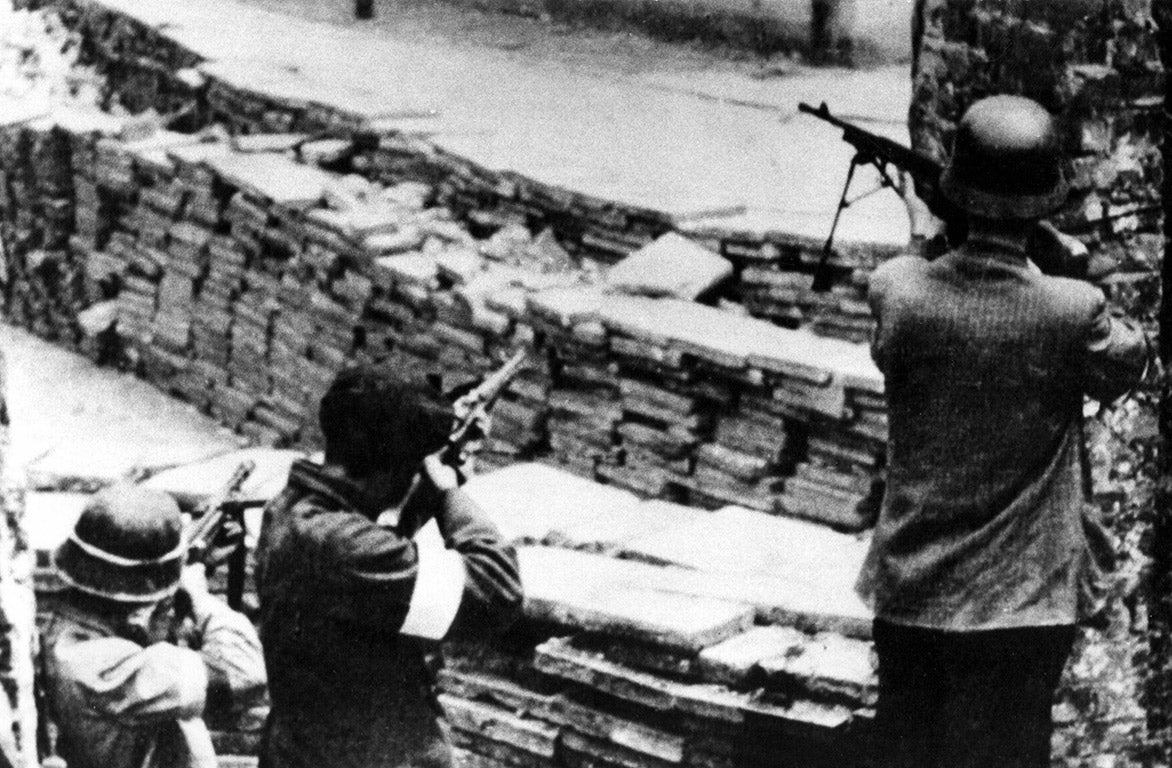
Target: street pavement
(59,402)
(683,136)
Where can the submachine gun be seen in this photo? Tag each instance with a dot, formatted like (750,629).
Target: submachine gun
(1053,252)
(216,513)
(471,411)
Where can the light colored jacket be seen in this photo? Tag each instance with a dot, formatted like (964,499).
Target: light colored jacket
(118,704)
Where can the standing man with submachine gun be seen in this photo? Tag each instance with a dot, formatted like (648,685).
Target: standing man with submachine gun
(937,219)
(982,557)
(349,602)
(118,692)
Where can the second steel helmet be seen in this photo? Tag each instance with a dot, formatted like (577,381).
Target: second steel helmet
(1006,161)
(126,546)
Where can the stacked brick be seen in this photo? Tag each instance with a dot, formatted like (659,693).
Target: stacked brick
(777,267)
(141,67)
(1098,66)
(45,286)
(626,663)
(244,282)
(663,413)
(592,700)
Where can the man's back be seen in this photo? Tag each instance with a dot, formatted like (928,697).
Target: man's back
(346,691)
(986,363)
(341,600)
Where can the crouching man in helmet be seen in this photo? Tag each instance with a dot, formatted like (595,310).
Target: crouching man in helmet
(120,694)
(978,558)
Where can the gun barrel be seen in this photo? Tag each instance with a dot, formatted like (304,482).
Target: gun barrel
(879,149)
(491,387)
(205,528)
(822,112)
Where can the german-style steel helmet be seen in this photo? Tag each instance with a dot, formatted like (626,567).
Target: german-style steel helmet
(1006,161)
(127,546)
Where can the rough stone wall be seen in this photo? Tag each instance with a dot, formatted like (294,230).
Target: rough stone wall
(1097,64)
(18,718)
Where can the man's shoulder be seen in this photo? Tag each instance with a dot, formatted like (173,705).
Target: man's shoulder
(1070,289)
(901,275)
(1076,300)
(904,265)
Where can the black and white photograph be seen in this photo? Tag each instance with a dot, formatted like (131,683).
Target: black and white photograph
(585,384)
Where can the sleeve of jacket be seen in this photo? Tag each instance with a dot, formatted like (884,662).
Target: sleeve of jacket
(232,654)
(135,685)
(876,291)
(490,596)
(1116,354)
(378,567)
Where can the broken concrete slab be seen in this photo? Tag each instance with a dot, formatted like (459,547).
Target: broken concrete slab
(567,306)
(559,658)
(573,507)
(562,588)
(274,178)
(831,604)
(735,661)
(672,266)
(765,544)
(829,667)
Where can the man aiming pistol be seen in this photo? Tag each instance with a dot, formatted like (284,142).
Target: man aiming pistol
(346,602)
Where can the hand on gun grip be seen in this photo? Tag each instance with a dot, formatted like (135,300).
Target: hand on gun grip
(229,538)
(442,475)
(1057,253)
(194,581)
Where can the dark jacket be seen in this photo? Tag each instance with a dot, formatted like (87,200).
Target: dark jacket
(348,684)
(986,364)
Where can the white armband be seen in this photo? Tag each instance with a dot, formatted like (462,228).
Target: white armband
(439,588)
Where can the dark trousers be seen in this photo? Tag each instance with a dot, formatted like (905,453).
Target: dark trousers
(967,699)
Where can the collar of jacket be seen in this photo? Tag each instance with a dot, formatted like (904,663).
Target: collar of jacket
(992,256)
(989,246)
(314,479)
